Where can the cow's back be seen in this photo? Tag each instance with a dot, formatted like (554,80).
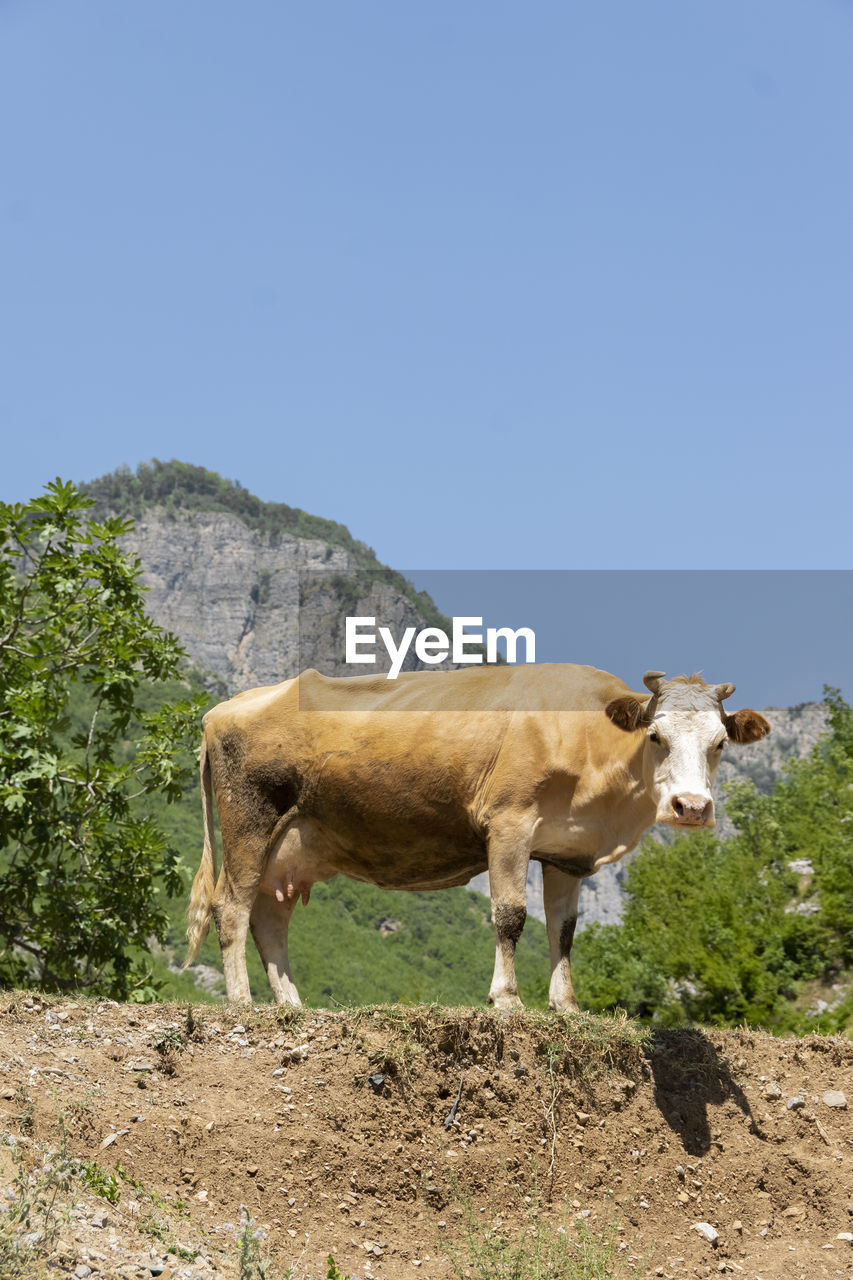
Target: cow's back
(498,687)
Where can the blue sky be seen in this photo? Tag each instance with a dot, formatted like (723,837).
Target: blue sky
(511,286)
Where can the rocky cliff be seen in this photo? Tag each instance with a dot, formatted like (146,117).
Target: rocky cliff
(254,608)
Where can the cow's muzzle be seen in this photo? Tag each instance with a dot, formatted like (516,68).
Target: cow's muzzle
(692,811)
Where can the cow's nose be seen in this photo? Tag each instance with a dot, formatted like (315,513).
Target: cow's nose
(692,811)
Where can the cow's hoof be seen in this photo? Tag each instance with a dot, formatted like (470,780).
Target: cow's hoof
(506,1004)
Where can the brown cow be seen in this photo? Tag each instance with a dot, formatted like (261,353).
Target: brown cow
(425,781)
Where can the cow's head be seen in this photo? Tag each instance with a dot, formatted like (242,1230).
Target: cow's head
(686,729)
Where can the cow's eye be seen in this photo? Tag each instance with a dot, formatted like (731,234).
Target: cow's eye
(654,737)
(721,744)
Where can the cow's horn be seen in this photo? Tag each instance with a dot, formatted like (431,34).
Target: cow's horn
(653,680)
(724,691)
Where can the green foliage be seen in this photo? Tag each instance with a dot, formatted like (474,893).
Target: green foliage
(34,1211)
(717,931)
(83,869)
(101,1181)
(814,810)
(252,1265)
(179,486)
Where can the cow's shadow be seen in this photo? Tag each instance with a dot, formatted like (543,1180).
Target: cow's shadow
(691,1076)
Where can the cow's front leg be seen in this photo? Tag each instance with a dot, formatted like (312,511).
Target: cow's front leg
(509,859)
(560,892)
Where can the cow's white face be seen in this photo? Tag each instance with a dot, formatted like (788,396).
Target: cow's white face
(686,731)
(684,743)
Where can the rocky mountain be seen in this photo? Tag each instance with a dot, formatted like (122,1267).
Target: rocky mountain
(258,591)
(254,608)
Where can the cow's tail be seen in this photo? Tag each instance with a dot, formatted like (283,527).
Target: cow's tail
(201,897)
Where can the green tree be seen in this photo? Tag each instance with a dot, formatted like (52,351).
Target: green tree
(84,871)
(814,807)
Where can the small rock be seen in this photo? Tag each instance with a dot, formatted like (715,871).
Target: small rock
(737,1226)
(835,1098)
(82,1271)
(109,1140)
(705,1229)
(794,1104)
(251,1169)
(845,1235)
(772,1090)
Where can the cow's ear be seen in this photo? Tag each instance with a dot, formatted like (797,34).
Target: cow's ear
(627,712)
(746,726)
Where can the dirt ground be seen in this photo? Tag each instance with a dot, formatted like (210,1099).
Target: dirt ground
(392,1137)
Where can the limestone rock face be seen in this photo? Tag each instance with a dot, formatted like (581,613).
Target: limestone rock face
(254,609)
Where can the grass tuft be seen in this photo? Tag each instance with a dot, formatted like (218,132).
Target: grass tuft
(544,1250)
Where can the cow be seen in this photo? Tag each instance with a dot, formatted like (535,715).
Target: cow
(423,782)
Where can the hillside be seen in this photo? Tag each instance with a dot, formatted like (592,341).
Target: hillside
(198,1143)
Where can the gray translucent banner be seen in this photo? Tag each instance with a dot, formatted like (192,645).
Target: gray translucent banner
(780,636)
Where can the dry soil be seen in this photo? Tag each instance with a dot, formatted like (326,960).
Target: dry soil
(388,1137)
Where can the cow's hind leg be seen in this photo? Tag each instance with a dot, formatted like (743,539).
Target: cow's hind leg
(560,892)
(236,891)
(231,911)
(508,863)
(269,923)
